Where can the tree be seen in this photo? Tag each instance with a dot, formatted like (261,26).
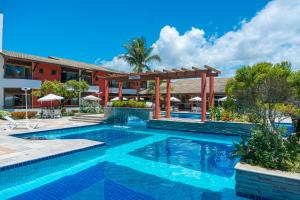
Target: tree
(262,90)
(267,91)
(138,55)
(68,90)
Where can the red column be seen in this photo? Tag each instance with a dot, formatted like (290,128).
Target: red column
(203,96)
(120,90)
(168,103)
(106,92)
(211,92)
(157,106)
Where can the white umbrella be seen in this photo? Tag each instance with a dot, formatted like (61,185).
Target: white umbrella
(222,99)
(117,99)
(195,99)
(91,98)
(174,99)
(50,97)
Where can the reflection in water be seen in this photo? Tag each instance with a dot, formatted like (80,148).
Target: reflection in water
(198,155)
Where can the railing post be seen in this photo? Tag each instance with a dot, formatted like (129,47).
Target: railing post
(168,103)
(106,92)
(157,105)
(203,96)
(211,92)
(120,90)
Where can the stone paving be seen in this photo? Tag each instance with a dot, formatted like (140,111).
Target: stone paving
(15,150)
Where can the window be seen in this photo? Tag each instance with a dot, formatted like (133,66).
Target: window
(87,77)
(41,70)
(15,97)
(113,83)
(67,75)
(53,72)
(17,71)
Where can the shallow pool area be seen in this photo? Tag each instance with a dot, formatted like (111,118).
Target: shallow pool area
(138,163)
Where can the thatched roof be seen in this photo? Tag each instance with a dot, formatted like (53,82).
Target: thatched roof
(55,60)
(191,86)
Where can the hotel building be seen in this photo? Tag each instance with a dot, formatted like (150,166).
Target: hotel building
(18,70)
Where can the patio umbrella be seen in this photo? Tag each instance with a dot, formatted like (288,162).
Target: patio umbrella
(91,98)
(222,99)
(174,99)
(50,97)
(195,99)
(117,99)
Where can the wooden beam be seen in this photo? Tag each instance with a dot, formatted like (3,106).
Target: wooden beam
(164,70)
(196,68)
(212,69)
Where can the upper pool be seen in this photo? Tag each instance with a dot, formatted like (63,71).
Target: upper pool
(139,163)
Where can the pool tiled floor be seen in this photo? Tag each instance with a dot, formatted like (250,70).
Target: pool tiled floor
(15,150)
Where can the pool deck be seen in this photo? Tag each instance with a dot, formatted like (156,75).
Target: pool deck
(15,150)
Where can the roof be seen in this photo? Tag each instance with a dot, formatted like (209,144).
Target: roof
(191,86)
(182,73)
(56,60)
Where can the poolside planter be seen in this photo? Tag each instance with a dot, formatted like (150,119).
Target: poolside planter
(122,114)
(259,183)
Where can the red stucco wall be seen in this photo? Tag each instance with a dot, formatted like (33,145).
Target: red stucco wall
(47,75)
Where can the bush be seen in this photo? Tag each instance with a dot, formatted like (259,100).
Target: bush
(129,104)
(87,106)
(22,115)
(270,150)
(4,113)
(75,111)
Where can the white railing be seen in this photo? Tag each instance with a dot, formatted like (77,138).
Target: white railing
(19,83)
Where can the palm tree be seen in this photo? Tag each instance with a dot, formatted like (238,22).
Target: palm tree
(138,55)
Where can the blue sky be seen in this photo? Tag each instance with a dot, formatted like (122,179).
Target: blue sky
(225,34)
(91,29)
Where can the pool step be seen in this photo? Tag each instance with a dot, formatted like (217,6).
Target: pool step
(89,118)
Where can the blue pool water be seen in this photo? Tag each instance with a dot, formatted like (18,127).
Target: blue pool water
(186,115)
(139,163)
(197,155)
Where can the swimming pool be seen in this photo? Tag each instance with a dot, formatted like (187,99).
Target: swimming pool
(139,163)
(188,115)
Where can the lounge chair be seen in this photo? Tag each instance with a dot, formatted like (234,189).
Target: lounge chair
(13,124)
(3,128)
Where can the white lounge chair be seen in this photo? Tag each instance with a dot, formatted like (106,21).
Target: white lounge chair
(3,128)
(13,124)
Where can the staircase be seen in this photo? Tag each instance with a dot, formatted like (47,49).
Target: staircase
(92,118)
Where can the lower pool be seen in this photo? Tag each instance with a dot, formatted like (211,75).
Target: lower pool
(139,163)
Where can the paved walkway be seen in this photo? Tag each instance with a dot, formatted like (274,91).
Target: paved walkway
(15,150)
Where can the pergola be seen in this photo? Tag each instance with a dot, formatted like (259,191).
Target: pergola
(168,75)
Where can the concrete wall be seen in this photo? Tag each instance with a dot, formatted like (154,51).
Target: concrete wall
(257,183)
(226,128)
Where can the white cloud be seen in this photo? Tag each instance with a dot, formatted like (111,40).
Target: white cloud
(115,63)
(272,35)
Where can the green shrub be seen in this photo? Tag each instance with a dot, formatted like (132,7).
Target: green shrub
(22,115)
(215,113)
(87,106)
(270,149)
(4,113)
(129,104)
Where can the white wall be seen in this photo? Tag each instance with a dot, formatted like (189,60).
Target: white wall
(1,78)
(1,30)
(20,83)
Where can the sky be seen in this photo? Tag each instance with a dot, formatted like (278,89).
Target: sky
(225,34)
